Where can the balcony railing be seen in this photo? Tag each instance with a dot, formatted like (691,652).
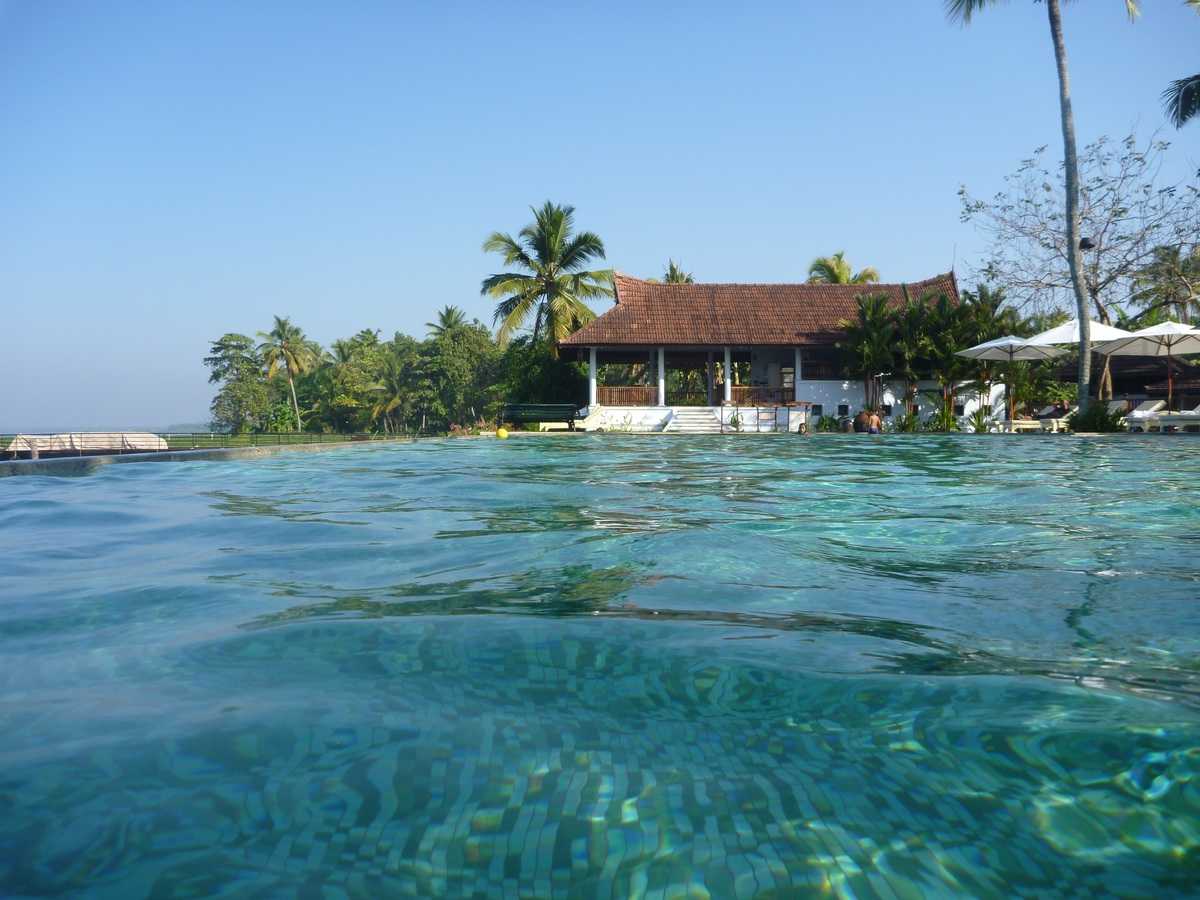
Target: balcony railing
(627,395)
(647,395)
(746,395)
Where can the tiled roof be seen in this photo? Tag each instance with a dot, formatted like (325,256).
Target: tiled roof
(650,313)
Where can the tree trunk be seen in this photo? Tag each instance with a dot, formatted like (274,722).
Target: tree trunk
(1106,386)
(1071,169)
(295,405)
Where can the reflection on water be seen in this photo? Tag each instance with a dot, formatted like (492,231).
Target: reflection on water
(610,666)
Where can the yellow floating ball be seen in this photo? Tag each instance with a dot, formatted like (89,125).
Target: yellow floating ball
(502,433)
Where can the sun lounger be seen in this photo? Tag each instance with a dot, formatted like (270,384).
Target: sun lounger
(1061,423)
(1136,419)
(1167,421)
(1015,426)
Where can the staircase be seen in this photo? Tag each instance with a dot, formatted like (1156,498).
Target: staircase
(693,420)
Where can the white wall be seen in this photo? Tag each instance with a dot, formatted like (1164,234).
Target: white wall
(763,418)
(832,393)
(626,418)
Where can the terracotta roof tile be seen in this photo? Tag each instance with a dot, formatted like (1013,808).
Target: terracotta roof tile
(650,313)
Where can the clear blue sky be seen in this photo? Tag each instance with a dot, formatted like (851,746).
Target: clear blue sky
(170,171)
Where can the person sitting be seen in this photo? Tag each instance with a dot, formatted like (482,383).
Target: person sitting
(862,422)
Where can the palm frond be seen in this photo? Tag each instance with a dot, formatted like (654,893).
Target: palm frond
(512,312)
(592,285)
(581,250)
(964,10)
(1182,98)
(507,283)
(512,251)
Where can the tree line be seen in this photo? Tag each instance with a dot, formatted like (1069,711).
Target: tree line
(1143,265)
(916,341)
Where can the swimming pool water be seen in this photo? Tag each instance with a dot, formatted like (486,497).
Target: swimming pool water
(607,666)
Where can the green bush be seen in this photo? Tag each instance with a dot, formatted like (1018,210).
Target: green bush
(827,423)
(979,421)
(908,423)
(942,420)
(1097,418)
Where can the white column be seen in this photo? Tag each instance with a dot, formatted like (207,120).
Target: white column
(662,377)
(796,377)
(728,378)
(592,392)
(708,378)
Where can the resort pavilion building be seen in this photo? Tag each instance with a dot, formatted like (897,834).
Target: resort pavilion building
(691,357)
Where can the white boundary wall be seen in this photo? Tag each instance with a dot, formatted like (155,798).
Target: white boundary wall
(828,394)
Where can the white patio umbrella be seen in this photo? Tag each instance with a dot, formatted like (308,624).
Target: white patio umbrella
(1068,333)
(1010,348)
(1168,339)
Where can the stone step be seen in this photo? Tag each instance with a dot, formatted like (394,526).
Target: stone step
(694,421)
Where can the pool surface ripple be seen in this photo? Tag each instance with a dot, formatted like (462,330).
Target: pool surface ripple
(607,666)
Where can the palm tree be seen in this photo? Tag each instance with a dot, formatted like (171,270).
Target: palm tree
(949,327)
(910,325)
(450,318)
(676,275)
(391,390)
(286,347)
(1182,99)
(963,11)
(554,281)
(868,343)
(835,270)
(1171,280)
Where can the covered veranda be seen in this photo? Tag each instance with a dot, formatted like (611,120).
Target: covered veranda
(694,376)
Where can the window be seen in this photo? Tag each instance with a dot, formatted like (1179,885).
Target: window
(818,410)
(959,409)
(887,409)
(915,409)
(843,409)
(787,378)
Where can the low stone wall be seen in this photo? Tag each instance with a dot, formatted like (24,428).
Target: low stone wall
(82,465)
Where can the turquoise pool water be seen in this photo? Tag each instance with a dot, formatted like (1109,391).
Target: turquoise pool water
(607,666)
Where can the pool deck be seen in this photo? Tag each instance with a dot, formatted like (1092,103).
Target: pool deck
(82,465)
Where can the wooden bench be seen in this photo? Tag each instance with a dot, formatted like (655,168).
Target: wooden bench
(521,413)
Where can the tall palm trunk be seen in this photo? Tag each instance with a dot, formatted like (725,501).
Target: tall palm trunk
(1071,167)
(295,405)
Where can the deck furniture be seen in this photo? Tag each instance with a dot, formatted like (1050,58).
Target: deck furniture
(1055,424)
(1166,421)
(524,413)
(1016,426)
(1136,420)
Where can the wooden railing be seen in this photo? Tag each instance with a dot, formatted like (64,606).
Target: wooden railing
(745,395)
(627,395)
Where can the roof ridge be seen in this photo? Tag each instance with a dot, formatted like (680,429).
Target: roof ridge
(789,284)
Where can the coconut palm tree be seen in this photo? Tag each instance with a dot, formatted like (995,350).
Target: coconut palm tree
(285,347)
(835,270)
(676,275)
(450,318)
(1182,99)
(963,11)
(554,281)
